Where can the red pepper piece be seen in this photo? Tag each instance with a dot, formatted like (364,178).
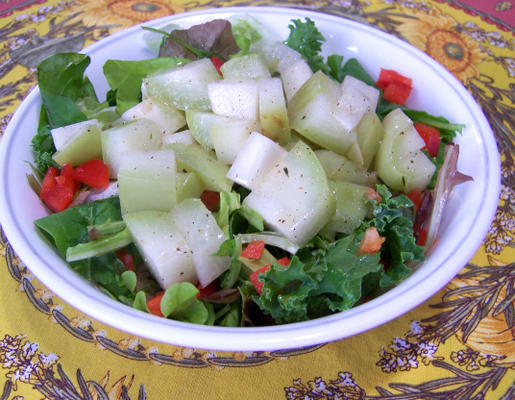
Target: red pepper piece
(49,180)
(58,199)
(217,64)
(431,137)
(254,249)
(154,304)
(422,217)
(396,87)
(422,237)
(285,261)
(210,199)
(371,194)
(66,178)
(416,197)
(94,173)
(387,76)
(371,242)
(126,259)
(254,276)
(209,289)
(57,190)
(397,93)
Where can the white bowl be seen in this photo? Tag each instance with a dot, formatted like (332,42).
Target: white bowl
(466,219)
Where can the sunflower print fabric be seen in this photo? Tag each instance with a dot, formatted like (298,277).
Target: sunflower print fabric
(460,344)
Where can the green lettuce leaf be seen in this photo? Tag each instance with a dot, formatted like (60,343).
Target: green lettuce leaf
(230,248)
(245,34)
(180,303)
(233,315)
(62,84)
(229,202)
(125,77)
(317,283)
(69,228)
(140,302)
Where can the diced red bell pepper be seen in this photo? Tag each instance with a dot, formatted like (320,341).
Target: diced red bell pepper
(387,76)
(154,304)
(416,197)
(210,199)
(396,87)
(217,64)
(57,189)
(285,261)
(371,194)
(253,249)
(67,179)
(421,237)
(431,137)
(209,289)
(371,242)
(94,173)
(126,259)
(58,199)
(49,180)
(397,93)
(254,276)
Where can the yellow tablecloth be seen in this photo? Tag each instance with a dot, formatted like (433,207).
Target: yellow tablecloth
(460,344)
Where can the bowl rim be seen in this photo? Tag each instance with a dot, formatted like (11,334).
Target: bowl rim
(396,301)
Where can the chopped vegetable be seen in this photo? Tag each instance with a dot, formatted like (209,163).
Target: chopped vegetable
(431,137)
(254,249)
(388,76)
(211,199)
(397,93)
(208,290)
(217,63)
(61,84)
(371,242)
(127,259)
(94,173)
(307,40)
(448,177)
(180,302)
(422,237)
(154,304)
(57,190)
(416,197)
(124,78)
(95,248)
(371,194)
(254,276)
(203,40)
(396,87)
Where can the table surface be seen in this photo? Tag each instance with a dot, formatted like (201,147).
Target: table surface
(460,344)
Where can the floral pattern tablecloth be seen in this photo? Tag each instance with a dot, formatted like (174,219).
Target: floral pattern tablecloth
(460,344)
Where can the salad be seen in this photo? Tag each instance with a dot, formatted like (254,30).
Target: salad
(239,180)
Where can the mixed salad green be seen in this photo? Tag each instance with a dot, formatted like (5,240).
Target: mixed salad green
(237,180)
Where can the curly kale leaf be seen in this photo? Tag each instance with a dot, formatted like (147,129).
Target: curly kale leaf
(317,283)
(324,277)
(393,218)
(305,38)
